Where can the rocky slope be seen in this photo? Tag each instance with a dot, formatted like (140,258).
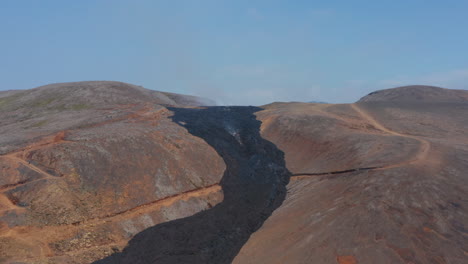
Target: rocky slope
(395,191)
(417,94)
(108,172)
(254,185)
(85,166)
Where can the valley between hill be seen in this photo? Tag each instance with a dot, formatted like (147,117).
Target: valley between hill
(108,172)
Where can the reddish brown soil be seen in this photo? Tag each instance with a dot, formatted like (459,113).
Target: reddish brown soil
(346,260)
(77,187)
(109,172)
(407,206)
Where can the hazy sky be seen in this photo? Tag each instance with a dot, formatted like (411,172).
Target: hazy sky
(237,52)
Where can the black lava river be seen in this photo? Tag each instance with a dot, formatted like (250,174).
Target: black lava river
(254,185)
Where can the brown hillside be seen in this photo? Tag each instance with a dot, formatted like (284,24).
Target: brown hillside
(417,93)
(108,172)
(395,191)
(85,166)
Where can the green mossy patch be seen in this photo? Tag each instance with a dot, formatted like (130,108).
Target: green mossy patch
(77,107)
(40,123)
(43,102)
(8,100)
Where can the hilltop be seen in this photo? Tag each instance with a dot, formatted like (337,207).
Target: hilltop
(417,93)
(108,172)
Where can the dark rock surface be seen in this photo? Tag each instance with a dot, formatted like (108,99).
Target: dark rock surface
(253,185)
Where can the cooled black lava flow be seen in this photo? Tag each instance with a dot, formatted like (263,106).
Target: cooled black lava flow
(254,185)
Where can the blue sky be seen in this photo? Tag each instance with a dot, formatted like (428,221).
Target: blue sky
(237,52)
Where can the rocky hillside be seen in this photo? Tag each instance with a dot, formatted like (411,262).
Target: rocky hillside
(107,172)
(85,166)
(56,107)
(417,93)
(373,182)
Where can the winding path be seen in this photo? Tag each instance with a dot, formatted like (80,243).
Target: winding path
(8,205)
(424,149)
(4,199)
(425,145)
(144,208)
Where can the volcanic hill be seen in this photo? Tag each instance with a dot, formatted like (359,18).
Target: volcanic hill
(108,172)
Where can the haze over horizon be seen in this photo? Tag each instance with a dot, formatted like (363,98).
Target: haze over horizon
(237,52)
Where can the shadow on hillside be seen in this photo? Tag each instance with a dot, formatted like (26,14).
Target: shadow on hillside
(254,185)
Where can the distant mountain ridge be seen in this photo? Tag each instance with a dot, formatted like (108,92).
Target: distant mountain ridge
(417,93)
(99,93)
